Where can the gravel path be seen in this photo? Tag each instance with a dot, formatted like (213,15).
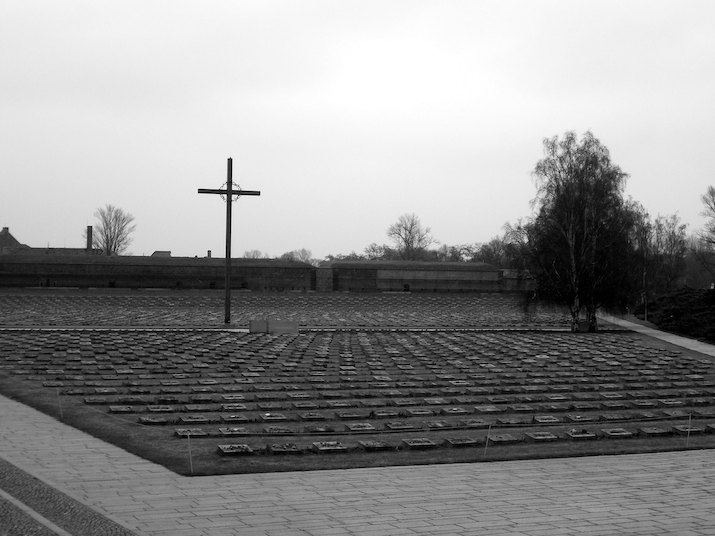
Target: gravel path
(60,509)
(16,522)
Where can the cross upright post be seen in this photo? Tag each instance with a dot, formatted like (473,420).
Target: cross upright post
(229,192)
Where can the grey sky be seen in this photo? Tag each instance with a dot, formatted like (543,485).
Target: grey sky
(345,114)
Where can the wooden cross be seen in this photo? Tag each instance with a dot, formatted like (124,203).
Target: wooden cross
(229,192)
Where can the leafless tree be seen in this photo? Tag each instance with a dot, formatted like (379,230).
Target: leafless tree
(112,232)
(300,255)
(254,254)
(409,236)
(705,250)
(708,234)
(669,246)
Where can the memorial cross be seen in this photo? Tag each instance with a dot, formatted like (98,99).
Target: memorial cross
(229,192)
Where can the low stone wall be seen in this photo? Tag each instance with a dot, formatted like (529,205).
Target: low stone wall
(256,274)
(152,272)
(378,276)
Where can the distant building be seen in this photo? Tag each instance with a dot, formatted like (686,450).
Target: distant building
(9,245)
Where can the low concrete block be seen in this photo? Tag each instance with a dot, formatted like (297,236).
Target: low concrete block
(282,327)
(258,326)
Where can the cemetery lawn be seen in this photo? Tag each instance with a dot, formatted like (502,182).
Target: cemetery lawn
(218,402)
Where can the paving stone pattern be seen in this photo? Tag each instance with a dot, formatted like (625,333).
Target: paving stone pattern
(646,494)
(309,310)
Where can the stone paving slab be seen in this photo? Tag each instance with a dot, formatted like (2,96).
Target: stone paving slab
(645,494)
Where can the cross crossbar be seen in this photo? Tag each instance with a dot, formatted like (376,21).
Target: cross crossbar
(225,192)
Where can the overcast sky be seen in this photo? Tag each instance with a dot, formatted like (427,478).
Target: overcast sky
(344,113)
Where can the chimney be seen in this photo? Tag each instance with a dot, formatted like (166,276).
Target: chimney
(89,238)
(209,254)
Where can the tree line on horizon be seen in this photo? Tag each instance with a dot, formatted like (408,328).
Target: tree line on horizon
(586,244)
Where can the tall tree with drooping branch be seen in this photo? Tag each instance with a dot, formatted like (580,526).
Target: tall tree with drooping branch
(581,234)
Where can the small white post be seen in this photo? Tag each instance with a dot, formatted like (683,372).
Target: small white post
(59,403)
(191,461)
(486,442)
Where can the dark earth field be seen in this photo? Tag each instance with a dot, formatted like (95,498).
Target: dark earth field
(383,379)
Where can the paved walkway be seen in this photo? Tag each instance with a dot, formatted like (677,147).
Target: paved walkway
(645,494)
(648,494)
(683,342)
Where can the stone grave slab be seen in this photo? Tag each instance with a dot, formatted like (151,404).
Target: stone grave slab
(671,403)
(312,416)
(513,420)
(273,417)
(191,408)
(684,429)
(611,416)
(488,408)
(441,425)
(267,406)
(546,419)
(402,426)
(305,404)
(278,430)
(503,439)
(463,442)
(541,436)
(233,431)
(655,431)
(616,433)
(235,449)
(385,414)
(284,448)
(160,408)
(676,413)
(360,427)
(233,407)
(121,409)
(580,435)
(96,400)
(577,417)
(349,414)
(419,443)
(193,419)
(319,429)
(233,418)
(456,410)
(190,432)
(375,446)
(328,447)
(147,420)
(521,408)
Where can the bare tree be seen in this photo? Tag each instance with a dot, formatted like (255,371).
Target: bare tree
(668,247)
(300,255)
(707,236)
(112,231)
(409,236)
(255,254)
(705,252)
